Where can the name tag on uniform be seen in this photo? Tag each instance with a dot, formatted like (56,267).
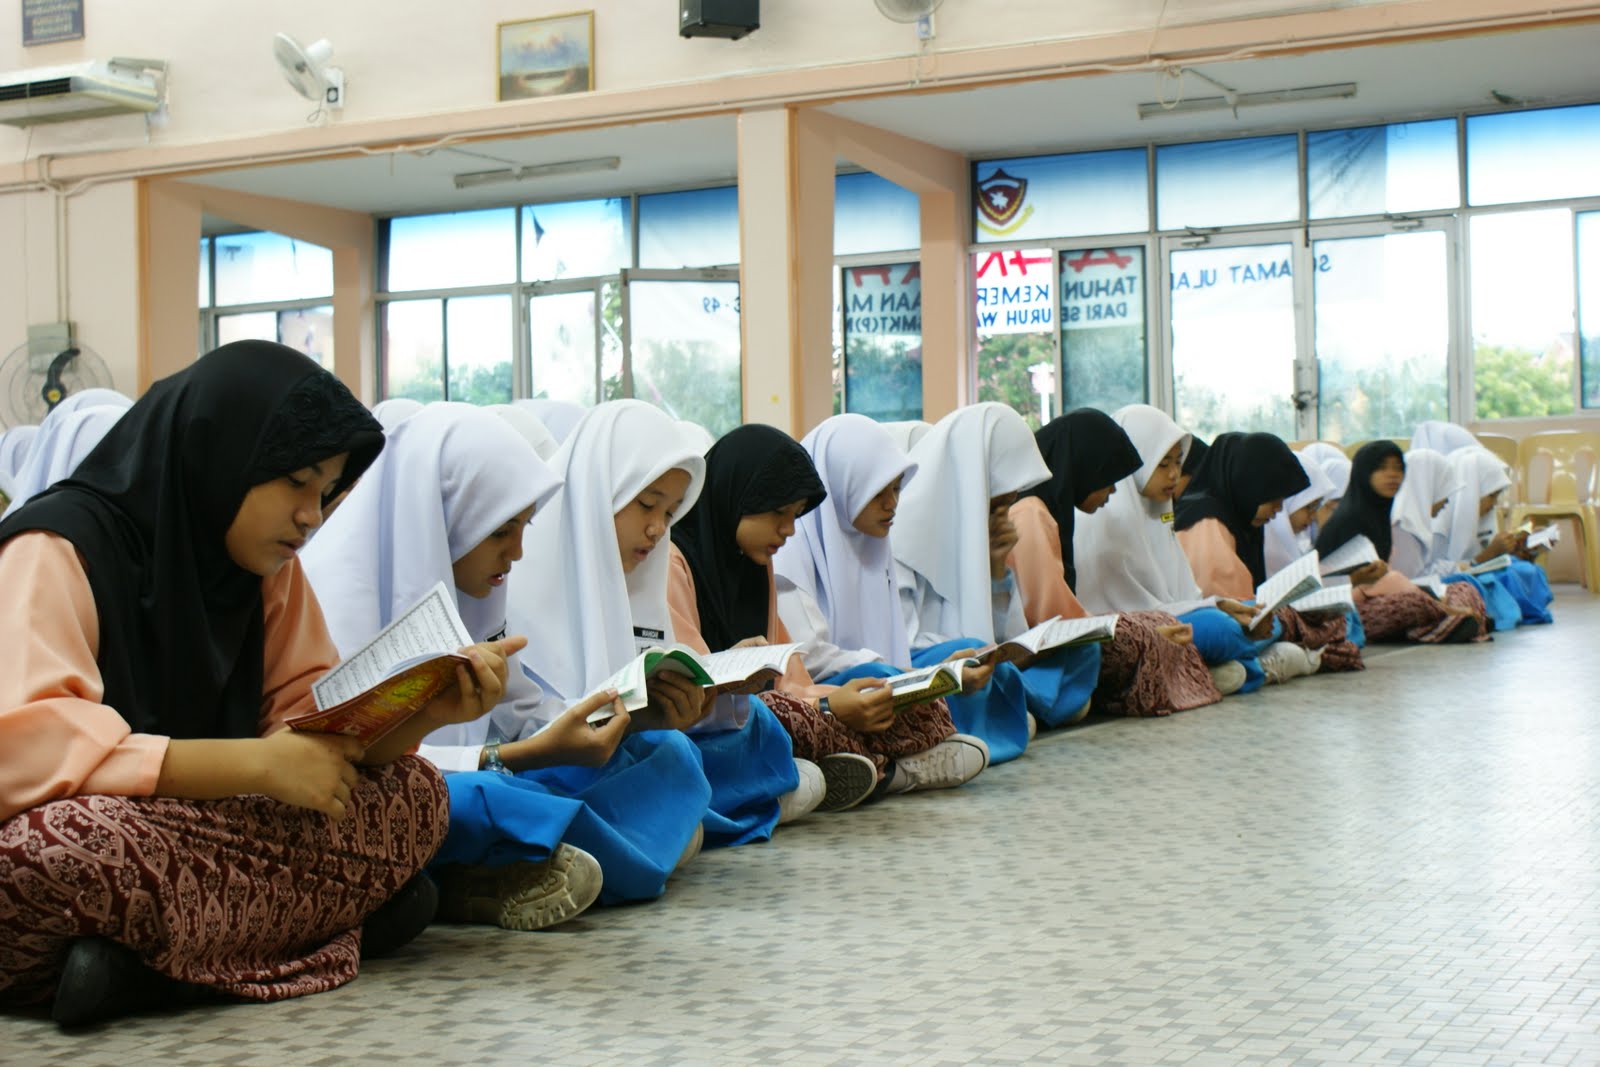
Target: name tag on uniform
(644,637)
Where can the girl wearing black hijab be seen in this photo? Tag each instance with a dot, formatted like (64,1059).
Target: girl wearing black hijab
(759,481)
(1391,607)
(1151,666)
(160,630)
(1239,484)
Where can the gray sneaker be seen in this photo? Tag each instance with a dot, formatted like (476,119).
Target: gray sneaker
(521,896)
(1228,677)
(851,779)
(956,760)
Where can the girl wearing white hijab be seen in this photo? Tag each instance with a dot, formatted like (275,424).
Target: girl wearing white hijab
(88,398)
(558,416)
(905,435)
(1128,559)
(448,501)
(397,409)
(599,595)
(1288,536)
(62,443)
(1429,483)
(1336,466)
(1465,531)
(835,590)
(1445,438)
(528,425)
(957,591)
(703,438)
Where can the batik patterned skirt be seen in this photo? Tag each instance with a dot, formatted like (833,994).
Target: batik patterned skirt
(1143,674)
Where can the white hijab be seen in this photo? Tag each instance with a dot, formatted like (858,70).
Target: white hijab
(577,606)
(702,437)
(971,455)
(1429,479)
(1458,530)
(558,416)
(905,435)
(14,446)
(392,412)
(88,398)
(847,573)
(61,444)
(447,478)
(1443,437)
(528,425)
(1335,464)
(1128,558)
(1283,545)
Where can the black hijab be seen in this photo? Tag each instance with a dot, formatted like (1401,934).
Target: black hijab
(1086,451)
(1363,510)
(181,628)
(1197,452)
(1237,474)
(750,470)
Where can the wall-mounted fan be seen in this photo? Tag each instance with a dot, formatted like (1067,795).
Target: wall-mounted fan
(307,69)
(40,374)
(907,10)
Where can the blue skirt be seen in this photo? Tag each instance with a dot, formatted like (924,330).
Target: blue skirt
(1219,638)
(1059,686)
(998,712)
(635,815)
(1531,588)
(749,769)
(1497,599)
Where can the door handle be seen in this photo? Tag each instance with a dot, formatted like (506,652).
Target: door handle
(1304,399)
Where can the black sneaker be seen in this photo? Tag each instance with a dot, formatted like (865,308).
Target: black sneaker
(399,920)
(104,980)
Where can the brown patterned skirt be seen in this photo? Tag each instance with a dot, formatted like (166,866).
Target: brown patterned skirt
(1417,616)
(1143,674)
(916,728)
(248,896)
(1330,633)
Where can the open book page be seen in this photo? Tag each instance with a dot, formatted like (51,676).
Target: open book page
(430,627)
(1350,556)
(1489,566)
(1050,636)
(1544,537)
(1329,600)
(748,669)
(928,683)
(631,682)
(1291,583)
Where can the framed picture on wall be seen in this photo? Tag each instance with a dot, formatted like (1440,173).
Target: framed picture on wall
(546,56)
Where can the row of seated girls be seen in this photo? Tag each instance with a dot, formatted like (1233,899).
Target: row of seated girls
(202,556)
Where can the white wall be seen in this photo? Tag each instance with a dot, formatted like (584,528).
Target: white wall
(413,57)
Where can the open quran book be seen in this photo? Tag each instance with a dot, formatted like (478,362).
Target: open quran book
(392,677)
(1049,636)
(1329,600)
(1543,537)
(1489,566)
(1285,587)
(927,683)
(737,670)
(1349,557)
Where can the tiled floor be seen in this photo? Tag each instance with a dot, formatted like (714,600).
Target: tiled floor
(1395,867)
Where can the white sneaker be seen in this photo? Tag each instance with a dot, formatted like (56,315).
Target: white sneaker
(1285,660)
(1033,727)
(521,896)
(956,760)
(851,779)
(1228,677)
(803,799)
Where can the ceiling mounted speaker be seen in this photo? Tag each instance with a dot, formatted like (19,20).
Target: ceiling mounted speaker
(729,19)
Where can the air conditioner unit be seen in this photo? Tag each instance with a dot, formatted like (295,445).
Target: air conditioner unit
(80,91)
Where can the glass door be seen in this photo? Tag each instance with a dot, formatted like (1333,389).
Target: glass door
(563,344)
(681,344)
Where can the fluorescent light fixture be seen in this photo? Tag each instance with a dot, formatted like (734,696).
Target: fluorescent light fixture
(1341,91)
(473,179)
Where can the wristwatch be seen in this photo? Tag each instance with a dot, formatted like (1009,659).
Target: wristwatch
(822,706)
(491,758)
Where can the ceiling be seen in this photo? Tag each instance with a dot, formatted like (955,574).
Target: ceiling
(1395,81)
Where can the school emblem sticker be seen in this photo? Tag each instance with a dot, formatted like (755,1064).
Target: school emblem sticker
(1000,204)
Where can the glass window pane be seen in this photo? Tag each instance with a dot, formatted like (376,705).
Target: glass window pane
(1103,328)
(1233,339)
(1533,155)
(1377,170)
(1228,183)
(581,239)
(1015,315)
(308,330)
(253,268)
(561,334)
(873,214)
(685,338)
(610,341)
(205,272)
(1075,195)
(883,341)
(1589,304)
(453,250)
(1522,313)
(1382,334)
(251,326)
(478,332)
(413,349)
(698,228)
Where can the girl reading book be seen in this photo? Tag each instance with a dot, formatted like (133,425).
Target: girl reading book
(957,591)
(448,501)
(1151,666)
(162,631)
(1392,608)
(1237,488)
(1465,531)
(599,597)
